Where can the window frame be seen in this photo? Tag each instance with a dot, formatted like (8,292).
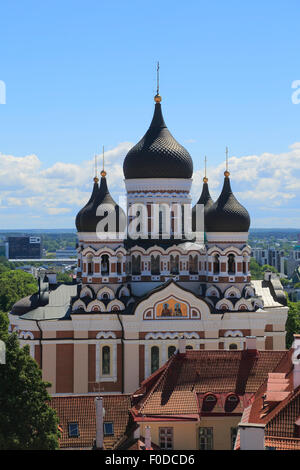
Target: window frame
(163,437)
(73,423)
(209,439)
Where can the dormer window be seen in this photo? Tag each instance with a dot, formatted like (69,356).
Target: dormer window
(209,402)
(231,403)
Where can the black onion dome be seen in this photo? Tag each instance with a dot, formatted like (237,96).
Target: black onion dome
(78,216)
(88,216)
(227,214)
(158,154)
(204,199)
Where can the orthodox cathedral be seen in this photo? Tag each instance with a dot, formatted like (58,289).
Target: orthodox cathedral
(137,292)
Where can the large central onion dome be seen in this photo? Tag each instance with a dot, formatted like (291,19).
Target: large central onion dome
(158,154)
(227,214)
(87,218)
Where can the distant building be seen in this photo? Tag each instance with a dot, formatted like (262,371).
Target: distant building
(270,256)
(25,247)
(68,252)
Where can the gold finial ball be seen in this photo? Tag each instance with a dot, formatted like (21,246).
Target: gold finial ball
(96,180)
(205,180)
(226,173)
(103,173)
(157,98)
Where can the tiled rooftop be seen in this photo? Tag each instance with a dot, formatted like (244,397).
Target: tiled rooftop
(81,409)
(175,389)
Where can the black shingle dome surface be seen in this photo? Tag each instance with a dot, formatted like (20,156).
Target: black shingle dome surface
(207,201)
(227,214)
(158,154)
(87,219)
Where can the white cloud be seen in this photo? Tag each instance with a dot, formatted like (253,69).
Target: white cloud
(263,183)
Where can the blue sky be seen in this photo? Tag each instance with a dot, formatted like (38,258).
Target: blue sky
(80,75)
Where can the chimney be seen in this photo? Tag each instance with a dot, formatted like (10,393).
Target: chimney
(251,343)
(182,345)
(252,436)
(99,422)
(296,361)
(147,438)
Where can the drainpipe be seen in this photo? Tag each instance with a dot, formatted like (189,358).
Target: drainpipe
(122,342)
(41,346)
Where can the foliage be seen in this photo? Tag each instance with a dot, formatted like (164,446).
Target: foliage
(293,322)
(15,285)
(255,269)
(27,422)
(64,277)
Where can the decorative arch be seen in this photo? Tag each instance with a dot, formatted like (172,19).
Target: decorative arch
(78,305)
(243,305)
(86,292)
(174,335)
(233,334)
(26,335)
(212,291)
(224,304)
(124,291)
(106,335)
(96,306)
(232,291)
(115,304)
(105,290)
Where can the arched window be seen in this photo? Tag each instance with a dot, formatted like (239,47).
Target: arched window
(174,264)
(208,403)
(233,346)
(216,264)
(89,264)
(189,346)
(155,264)
(104,265)
(193,264)
(231,264)
(245,270)
(105,360)
(119,264)
(136,264)
(231,403)
(171,351)
(154,358)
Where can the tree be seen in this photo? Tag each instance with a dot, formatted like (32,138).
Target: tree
(14,285)
(255,269)
(268,267)
(27,422)
(293,322)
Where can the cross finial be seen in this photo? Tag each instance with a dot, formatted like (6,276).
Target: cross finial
(103,172)
(157,97)
(205,179)
(226,173)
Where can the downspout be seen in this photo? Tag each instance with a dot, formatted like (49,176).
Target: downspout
(41,346)
(122,342)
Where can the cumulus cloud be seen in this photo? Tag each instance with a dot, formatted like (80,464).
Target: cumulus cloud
(267,184)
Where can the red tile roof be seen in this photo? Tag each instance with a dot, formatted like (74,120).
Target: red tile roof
(174,389)
(81,409)
(279,417)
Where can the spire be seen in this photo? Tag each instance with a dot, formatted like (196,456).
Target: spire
(157,97)
(96,179)
(103,172)
(205,179)
(226,172)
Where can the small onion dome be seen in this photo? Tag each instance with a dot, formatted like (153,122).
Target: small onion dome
(93,195)
(227,214)
(204,199)
(89,218)
(158,154)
